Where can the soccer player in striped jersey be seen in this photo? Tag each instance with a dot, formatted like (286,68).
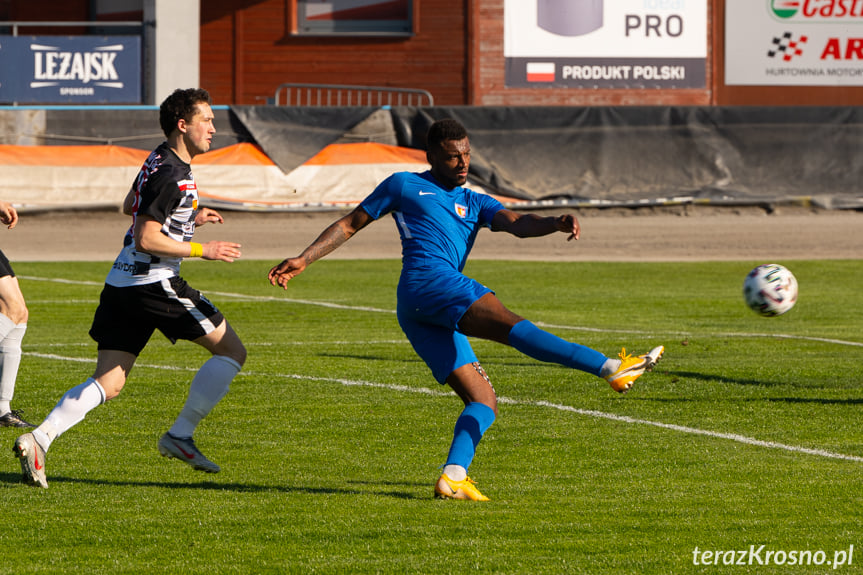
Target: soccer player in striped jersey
(144,292)
(439,307)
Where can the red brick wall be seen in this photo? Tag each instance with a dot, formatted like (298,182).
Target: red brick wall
(45,10)
(246,52)
(456,54)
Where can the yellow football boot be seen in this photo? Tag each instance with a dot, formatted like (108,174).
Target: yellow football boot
(446,488)
(631,368)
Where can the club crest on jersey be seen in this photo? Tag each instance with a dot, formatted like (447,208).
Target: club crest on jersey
(461,210)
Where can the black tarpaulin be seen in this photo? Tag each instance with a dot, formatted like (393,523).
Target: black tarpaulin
(292,135)
(635,154)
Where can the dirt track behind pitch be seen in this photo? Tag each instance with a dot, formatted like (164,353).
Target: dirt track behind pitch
(682,233)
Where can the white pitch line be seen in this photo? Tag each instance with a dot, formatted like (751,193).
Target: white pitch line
(695,431)
(61,281)
(239,296)
(59,357)
(64,301)
(246,297)
(786,336)
(304,343)
(689,333)
(566,408)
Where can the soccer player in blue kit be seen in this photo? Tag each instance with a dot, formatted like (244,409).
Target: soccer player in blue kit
(439,307)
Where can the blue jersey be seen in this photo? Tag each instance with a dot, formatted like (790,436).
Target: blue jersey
(437,226)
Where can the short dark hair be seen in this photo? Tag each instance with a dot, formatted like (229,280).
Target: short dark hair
(181,104)
(443,130)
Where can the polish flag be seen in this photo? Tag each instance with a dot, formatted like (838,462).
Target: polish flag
(540,71)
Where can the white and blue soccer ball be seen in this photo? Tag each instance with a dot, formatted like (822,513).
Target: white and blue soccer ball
(770,289)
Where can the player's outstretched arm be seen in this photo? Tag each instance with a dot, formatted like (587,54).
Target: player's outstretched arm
(330,239)
(218,250)
(286,271)
(8,214)
(150,239)
(533,226)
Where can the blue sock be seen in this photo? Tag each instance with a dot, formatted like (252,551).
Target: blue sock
(541,345)
(469,428)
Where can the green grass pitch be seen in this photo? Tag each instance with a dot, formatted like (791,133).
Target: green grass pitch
(747,434)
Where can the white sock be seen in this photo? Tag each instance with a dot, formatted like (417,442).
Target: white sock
(455,472)
(10,358)
(69,411)
(610,366)
(209,386)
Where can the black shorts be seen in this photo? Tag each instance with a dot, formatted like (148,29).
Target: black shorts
(5,266)
(128,316)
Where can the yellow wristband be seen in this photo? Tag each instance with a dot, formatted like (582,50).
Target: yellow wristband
(196,251)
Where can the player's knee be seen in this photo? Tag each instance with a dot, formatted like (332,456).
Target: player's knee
(20,314)
(493,405)
(490,398)
(15,310)
(112,385)
(225,342)
(472,385)
(239,354)
(233,350)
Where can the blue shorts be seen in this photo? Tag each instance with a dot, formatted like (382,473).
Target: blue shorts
(430,305)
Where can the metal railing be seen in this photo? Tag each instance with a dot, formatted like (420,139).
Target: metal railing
(344,95)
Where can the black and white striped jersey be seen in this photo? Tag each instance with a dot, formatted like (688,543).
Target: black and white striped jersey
(164,190)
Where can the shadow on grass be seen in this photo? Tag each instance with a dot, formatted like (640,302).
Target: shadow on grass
(815,400)
(235,487)
(361,357)
(721,378)
(800,400)
(724,379)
